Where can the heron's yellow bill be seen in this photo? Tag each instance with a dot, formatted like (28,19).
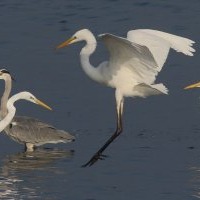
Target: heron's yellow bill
(37,101)
(65,43)
(195,85)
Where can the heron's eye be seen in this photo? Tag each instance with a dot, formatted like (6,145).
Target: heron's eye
(5,71)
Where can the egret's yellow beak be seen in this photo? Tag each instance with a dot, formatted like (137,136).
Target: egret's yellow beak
(192,86)
(65,43)
(37,101)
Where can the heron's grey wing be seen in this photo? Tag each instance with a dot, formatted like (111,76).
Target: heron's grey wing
(159,43)
(135,57)
(26,129)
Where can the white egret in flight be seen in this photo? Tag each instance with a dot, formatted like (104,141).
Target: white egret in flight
(132,68)
(27,130)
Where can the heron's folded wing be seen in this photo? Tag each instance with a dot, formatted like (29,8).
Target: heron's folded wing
(27,129)
(27,122)
(38,131)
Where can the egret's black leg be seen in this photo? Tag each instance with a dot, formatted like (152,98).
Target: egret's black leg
(98,155)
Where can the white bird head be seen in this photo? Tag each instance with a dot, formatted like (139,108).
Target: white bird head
(30,97)
(5,74)
(81,35)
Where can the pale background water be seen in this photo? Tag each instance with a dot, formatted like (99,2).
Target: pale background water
(158,155)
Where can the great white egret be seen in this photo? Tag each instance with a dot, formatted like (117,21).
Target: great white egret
(26,130)
(132,67)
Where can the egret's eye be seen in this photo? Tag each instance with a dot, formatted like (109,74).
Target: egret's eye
(31,98)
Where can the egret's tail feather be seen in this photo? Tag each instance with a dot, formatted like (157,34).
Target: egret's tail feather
(160,87)
(145,90)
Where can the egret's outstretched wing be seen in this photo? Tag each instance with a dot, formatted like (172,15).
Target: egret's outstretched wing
(159,43)
(135,57)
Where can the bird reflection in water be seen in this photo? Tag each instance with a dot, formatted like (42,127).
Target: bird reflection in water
(14,168)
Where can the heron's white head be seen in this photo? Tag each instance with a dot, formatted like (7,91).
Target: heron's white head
(82,35)
(195,85)
(30,97)
(4,74)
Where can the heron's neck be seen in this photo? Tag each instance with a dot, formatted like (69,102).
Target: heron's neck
(6,94)
(10,114)
(85,53)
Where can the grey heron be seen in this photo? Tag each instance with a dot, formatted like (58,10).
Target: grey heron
(27,130)
(132,68)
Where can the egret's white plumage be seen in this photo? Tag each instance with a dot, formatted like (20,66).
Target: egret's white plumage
(159,43)
(132,67)
(12,110)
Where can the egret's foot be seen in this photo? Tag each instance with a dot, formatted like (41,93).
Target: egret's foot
(94,159)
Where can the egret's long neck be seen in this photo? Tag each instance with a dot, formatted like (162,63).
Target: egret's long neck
(11,113)
(85,53)
(6,94)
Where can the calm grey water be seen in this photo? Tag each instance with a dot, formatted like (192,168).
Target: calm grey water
(158,155)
